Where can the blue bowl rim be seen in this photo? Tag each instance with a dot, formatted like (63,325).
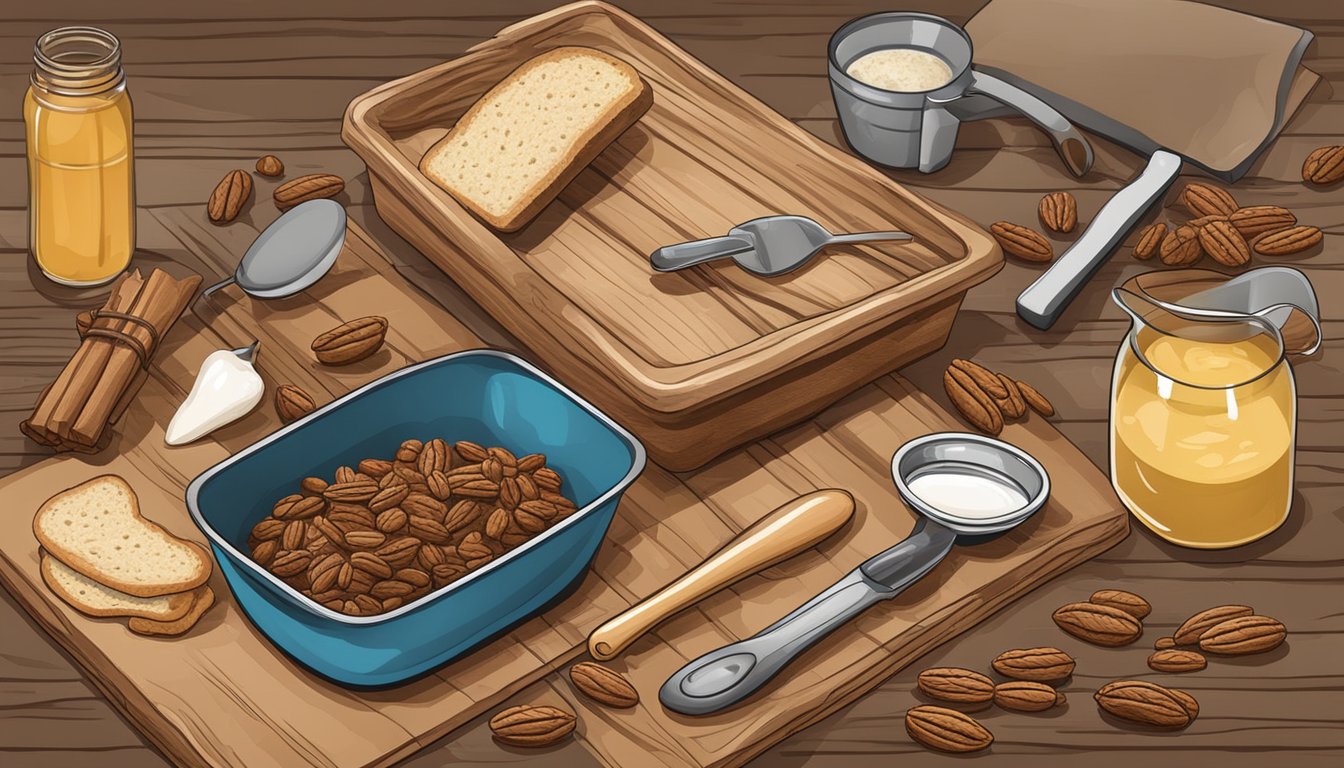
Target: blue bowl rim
(193,490)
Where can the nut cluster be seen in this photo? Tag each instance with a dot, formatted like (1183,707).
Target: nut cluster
(1058,212)
(541,725)
(1224,231)
(1218,226)
(233,192)
(988,399)
(391,531)
(1033,674)
(1110,618)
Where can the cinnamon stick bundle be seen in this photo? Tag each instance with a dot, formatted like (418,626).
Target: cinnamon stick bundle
(107,370)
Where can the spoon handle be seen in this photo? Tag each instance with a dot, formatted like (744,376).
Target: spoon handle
(788,530)
(868,237)
(226,282)
(673,257)
(728,675)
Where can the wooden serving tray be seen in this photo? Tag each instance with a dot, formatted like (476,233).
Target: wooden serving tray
(223,696)
(697,361)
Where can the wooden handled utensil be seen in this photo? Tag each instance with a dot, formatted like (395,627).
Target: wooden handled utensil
(790,529)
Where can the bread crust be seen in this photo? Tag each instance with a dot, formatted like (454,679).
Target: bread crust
(205,597)
(590,144)
(178,603)
(79,563)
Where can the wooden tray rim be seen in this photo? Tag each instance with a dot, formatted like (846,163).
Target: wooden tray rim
(674,388)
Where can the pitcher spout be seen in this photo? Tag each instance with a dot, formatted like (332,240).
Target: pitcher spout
(1280,297)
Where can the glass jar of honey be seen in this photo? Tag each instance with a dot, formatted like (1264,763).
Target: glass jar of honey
(81,184)
(1204,406)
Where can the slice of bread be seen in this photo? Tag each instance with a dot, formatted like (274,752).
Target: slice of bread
(96,529)
(530,135)
(204,598)
(93,599)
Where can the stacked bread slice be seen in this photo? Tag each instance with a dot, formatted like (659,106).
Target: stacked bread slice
(100,555)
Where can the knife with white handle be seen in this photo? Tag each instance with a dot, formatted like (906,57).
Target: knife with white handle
(1044,301)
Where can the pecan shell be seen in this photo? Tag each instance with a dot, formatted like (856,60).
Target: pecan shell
(314,186)
(229,196)
(350,342)
(529,725)
(1098,624)
(603,685)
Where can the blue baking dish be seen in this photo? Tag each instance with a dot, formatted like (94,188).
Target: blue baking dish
(487,397)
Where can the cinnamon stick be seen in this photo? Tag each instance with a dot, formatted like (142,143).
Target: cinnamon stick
(44,419)
(92,358)
(160,296)
(94,386)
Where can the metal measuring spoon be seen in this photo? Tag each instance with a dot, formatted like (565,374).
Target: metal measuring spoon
(724,677)
(768,246)
(294,252)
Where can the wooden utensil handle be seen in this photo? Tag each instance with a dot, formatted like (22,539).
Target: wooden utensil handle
(788,530)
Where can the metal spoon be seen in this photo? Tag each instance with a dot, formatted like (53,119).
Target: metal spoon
(294,252)
(768,246)
(724,677)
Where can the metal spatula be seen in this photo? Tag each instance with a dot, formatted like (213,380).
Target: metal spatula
(768,246)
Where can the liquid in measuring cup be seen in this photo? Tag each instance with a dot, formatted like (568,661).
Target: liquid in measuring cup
(1202,441)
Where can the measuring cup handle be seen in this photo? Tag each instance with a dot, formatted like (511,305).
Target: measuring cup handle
(1074,149)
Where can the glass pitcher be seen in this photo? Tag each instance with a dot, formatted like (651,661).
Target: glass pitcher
(1203,402)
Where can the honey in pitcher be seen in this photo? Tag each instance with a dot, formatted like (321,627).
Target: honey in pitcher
(1202,447)
(81,185)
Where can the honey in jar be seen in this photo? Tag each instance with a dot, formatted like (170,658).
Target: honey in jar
(1202,442)
(81,187)
(1203,419)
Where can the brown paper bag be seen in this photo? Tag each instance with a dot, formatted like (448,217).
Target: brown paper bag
(1211,84)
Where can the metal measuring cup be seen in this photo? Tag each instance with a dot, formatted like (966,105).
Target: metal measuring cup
(918,129)
(724,677)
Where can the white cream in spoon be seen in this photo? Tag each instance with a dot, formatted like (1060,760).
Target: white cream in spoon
(971,497)
(226,389)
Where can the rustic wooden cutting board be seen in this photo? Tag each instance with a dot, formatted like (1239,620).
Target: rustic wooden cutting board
(222,695)
(704,359)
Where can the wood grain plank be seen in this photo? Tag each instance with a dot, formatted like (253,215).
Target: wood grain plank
(743,41)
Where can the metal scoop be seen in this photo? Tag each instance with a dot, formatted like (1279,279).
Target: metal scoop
(724,677)
(768,246)
(291,254)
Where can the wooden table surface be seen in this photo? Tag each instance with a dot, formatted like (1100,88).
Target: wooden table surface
(216,85)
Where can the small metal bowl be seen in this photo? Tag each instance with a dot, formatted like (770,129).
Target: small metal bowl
(968,454)
(488,397)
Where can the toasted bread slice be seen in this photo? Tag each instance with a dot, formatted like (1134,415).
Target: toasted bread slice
(93,599)
(205,597)
(96,529)
(530,135)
